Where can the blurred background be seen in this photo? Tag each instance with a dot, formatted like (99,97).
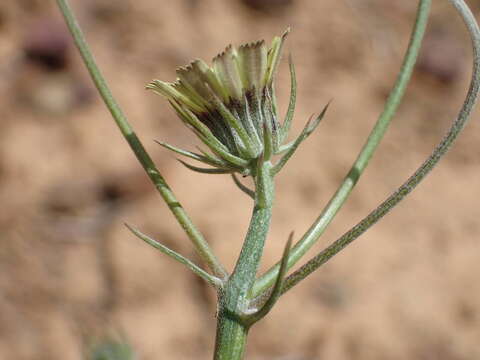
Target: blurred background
(70,272)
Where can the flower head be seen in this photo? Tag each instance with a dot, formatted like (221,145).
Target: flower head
(231,106)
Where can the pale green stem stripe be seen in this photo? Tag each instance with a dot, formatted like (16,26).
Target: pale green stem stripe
(376,135)
(193,233)
(421,172)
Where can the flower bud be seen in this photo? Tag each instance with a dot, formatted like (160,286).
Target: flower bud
(230,105)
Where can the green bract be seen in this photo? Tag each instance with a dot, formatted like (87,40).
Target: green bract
(231,107)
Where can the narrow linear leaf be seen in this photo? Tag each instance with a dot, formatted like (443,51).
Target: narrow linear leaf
(206,170)
(190,154)
(213,159)
(216,282)
(205,158)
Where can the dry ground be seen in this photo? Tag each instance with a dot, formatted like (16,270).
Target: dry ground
(69,270)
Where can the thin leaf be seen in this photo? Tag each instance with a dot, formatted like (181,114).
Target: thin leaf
(213,159)
(191,155)
(216,282)
(206,170)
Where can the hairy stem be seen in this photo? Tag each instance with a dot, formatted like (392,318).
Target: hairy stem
(232,329)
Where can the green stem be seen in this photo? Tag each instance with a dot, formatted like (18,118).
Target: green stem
(143,157)
(234,300)
(246,268)
(376,135)
(231,338)
(421,172)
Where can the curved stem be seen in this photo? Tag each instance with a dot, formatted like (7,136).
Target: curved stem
(376,135)
(421,172)
(201,245)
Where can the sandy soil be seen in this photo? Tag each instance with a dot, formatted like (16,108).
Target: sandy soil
(70,271)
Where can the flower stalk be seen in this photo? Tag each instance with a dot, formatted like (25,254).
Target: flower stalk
(234,300)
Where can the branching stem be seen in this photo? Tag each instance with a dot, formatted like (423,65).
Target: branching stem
(236,292)
(201,245)
(376,135)
(421,172)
